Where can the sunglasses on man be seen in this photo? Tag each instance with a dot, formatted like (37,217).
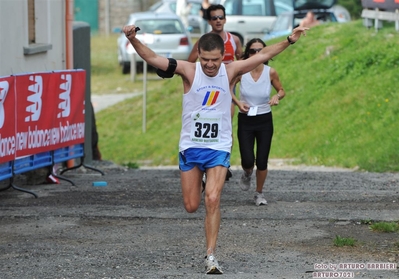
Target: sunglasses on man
(217,17)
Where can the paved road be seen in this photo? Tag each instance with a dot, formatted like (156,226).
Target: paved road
(101,102)
(136,226)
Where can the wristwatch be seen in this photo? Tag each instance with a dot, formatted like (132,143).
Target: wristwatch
(289,40)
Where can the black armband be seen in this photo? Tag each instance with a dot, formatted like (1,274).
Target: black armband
(170,71)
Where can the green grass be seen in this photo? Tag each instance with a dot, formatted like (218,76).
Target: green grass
(386,227)
(344,241)
(106,74)
(340,110)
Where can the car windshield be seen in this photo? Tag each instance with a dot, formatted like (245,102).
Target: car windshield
(160,26)
(283,6)
(253,7)
(314,4)
(248,7)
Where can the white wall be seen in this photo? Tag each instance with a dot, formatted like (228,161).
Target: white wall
(50,33)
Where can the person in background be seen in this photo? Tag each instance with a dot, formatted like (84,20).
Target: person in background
(216,15)
(205,137)
(94,137)
(183,10)
(309,20)
(232,45)
(256,125)
(204,14)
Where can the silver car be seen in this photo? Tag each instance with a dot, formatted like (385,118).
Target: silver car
(164,33)
(253,18)
(323,10)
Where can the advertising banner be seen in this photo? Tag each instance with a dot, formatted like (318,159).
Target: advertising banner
(388,5)
(7,119)
(34,107)
(70,111)
(45,113)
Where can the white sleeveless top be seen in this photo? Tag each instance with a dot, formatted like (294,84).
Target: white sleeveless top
(206,117)
(257,93)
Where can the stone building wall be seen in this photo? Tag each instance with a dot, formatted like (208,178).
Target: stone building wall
(119,11)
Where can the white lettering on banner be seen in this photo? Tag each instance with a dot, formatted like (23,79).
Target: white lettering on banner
(3,94)
(55,136)
(38,138)
(7,146)
(35,98)
(72,132)
(22,140)
(65,96)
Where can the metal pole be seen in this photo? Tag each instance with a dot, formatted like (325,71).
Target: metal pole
(376,22)
(133,67)
(107,19)
(144,94)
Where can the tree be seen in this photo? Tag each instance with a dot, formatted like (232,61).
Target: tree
(354,7)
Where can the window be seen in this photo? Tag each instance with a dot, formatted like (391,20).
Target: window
(31,21)
(160,26)
(231,7)
(249,7)
(253,8)
(35,44)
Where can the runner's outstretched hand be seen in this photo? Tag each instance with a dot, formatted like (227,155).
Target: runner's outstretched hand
(297,32)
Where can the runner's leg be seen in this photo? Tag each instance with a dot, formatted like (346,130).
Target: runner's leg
(191,188)
(214,186)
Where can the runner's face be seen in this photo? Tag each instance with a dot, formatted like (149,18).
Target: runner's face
(215,20)
(210,61)
(255,47)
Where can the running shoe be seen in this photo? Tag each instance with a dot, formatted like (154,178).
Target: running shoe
(259,199)
(211,265)
(245,181)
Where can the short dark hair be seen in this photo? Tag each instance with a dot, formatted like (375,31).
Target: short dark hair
(210,41)
(214,8)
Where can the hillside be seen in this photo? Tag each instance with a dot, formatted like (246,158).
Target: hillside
(340,110)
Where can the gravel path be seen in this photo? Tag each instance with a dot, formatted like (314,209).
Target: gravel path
(136,227)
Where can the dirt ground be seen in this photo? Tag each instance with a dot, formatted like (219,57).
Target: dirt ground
(136,226)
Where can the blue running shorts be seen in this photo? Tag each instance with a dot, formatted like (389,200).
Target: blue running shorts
(203,158)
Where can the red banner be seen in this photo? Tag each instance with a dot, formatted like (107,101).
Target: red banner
(381,4)
(46,112)
(7,120)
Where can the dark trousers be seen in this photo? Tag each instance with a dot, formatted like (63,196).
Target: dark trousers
(253,129)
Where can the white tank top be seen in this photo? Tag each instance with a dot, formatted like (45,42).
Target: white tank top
(257,93)
(206,117)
